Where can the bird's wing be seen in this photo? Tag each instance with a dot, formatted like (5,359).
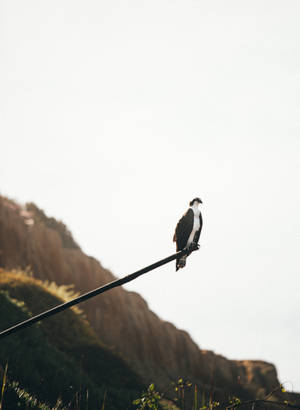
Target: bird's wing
(183,229)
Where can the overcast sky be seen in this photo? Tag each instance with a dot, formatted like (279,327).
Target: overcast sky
(115,114)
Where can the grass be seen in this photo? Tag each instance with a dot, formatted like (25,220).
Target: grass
(3,386)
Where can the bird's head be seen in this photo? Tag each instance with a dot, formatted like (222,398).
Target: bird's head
(196,201)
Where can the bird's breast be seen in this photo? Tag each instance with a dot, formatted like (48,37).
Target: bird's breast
(196,225)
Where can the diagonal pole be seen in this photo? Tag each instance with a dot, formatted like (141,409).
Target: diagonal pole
(88,295)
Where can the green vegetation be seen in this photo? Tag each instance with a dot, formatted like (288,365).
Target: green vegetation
(59,362)
(149,399)
(187,396)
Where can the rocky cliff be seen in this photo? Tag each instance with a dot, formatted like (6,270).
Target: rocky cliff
(155,349)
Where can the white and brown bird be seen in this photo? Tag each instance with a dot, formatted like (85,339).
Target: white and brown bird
(188,230)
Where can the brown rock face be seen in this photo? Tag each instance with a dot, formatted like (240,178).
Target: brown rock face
(156,349)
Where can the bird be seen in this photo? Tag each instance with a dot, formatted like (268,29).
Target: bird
(187,231)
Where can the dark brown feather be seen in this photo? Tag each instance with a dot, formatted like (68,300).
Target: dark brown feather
(183,229)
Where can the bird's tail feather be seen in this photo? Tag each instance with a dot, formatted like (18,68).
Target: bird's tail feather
(180,262)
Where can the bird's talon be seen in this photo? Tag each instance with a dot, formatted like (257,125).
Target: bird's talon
(194,247)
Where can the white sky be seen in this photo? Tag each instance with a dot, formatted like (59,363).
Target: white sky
(115,114)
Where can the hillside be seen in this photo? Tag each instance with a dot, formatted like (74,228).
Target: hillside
(122,319)
(60,358)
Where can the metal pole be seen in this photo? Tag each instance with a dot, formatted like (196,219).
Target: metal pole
(90,294)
